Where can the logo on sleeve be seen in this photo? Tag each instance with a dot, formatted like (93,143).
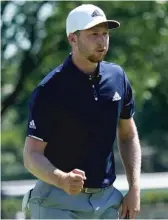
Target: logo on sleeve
(116,97)
(32,125)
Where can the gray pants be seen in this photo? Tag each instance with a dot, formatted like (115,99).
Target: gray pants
(49,202)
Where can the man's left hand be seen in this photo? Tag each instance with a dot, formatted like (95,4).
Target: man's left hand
(131,203)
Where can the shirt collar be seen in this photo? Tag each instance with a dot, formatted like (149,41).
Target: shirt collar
(69,63)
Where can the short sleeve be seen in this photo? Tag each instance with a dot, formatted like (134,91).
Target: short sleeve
(128,107)
(40,115)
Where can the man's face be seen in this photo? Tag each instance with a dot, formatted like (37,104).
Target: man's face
(93,43)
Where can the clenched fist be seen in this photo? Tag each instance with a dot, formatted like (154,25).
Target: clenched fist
(72,182)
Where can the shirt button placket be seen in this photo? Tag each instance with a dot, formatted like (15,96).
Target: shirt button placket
(94,90)
(95,93)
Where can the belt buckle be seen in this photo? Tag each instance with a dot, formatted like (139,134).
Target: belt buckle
(90,190)
(86,190)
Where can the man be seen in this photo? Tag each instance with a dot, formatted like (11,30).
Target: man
(75,113)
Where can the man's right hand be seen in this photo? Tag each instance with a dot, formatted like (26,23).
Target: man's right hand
(72,182)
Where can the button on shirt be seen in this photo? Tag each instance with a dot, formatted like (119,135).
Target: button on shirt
(77,116)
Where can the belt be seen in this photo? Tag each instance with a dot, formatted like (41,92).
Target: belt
(94,190)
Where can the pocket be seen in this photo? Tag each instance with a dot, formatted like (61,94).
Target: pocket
(118,198)
(25,201)
(40,192)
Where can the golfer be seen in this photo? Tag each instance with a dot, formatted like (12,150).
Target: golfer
(76,113)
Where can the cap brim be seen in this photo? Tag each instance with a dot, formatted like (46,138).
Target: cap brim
(112,24)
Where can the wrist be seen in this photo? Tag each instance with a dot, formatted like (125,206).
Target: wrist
(135,187)
(60,176)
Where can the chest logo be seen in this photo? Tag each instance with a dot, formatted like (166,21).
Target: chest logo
(116,97)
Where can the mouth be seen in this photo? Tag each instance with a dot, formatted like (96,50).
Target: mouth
(101,50)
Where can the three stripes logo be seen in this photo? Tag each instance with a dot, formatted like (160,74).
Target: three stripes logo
(116,97)
(96,13)
(32,125)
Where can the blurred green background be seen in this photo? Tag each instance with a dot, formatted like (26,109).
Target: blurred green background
(33,42)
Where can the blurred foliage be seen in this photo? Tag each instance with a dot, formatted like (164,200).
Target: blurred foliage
(154,196)
(34,42)
(10,207)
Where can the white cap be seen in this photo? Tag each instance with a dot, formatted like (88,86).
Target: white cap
(87,16)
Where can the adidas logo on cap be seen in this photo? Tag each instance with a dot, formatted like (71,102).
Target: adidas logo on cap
(96,13)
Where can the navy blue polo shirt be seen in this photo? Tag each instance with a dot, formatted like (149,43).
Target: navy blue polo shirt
(77,116)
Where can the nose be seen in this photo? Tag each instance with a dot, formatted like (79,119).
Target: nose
(102,39)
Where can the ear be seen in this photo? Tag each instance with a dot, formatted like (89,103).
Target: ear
(72,38)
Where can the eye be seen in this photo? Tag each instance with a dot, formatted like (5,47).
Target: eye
(105,33)
(94,33)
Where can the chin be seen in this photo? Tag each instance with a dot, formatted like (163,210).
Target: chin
(95,59)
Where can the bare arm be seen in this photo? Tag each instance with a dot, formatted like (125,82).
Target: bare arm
(36,163)
(130,150)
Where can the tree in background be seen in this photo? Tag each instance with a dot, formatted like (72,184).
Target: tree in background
(34,42)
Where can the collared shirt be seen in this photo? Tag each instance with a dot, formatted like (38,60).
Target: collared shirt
(77,115)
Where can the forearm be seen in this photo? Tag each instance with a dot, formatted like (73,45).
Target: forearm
(130,152)
(41,167)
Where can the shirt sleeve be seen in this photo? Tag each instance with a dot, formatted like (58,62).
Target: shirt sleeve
(40,115)
(128,107)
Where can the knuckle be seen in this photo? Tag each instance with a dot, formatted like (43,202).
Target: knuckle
(79,178)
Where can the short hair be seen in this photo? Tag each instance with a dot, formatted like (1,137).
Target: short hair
(77,32)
